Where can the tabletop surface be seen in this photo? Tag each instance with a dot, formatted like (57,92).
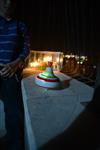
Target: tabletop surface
(52,111)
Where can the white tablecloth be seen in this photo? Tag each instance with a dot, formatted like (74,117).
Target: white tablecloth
(49,112)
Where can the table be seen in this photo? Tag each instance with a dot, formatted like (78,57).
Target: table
(48,112)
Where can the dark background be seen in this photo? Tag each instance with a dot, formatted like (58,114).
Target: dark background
(64,25)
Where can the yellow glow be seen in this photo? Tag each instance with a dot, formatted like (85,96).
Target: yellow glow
(68,56)
(57,60)
(33,64)
(61,60)
(47,58)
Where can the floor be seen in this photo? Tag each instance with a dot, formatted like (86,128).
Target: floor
(7,146)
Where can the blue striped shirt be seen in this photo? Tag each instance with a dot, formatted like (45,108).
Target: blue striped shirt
(14,40)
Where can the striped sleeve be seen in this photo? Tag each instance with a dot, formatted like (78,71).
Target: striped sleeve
(25,38)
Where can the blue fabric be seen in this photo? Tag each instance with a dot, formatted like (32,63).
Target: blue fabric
(12,33)
(14,43)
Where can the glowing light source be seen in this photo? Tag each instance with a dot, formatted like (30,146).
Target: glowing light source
(47,58)
(39,59)
(33,64)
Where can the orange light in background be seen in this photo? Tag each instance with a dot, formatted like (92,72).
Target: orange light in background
(47,58)
(38,59)
(33,64)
